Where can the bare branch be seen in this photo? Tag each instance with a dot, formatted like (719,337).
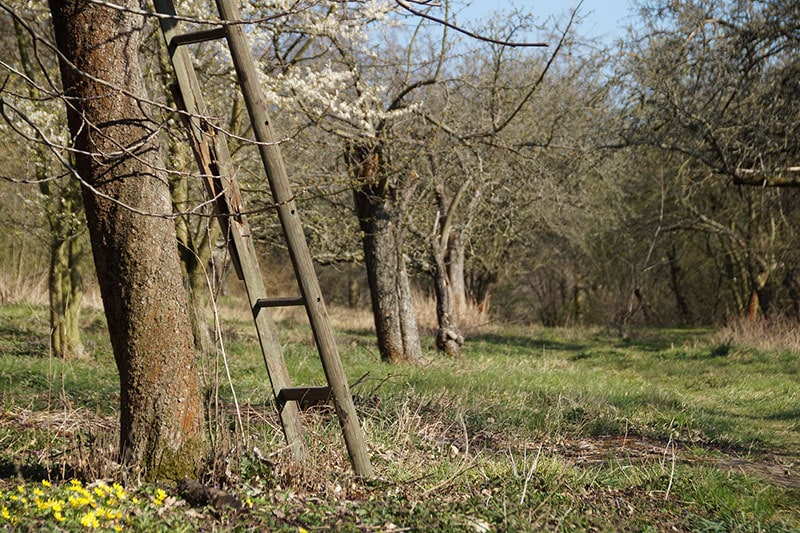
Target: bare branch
(405,4)
(787,177)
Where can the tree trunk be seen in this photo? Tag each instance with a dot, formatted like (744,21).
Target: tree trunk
(448,338)
(65,288)
(444,243)
(387,277)
(136,257)
(62,206)
(676,284)
(456,255)
(194,238)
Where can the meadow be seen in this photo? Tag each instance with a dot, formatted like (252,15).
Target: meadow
(533,429)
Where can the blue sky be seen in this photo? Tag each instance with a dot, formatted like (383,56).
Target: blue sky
(604,18)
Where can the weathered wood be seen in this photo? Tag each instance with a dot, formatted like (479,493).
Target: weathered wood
(295,238)
(280,302)
(304,394)
(197,37)
(214,161)
(213,158)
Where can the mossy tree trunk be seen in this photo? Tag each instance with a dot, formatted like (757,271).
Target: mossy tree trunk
(65,289)
(135,250)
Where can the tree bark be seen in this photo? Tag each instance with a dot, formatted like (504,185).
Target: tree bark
(387,277)
(448,338)
(456,253)
(444,243)
(136,257)
(65,289)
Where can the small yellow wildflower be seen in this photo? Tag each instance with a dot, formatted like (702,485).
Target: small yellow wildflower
(119,492)
(38,492)
(46,483)
(160,497)
(75,484)
(58,516)
(4,513)
(90,520)
(21,489)
(81,501)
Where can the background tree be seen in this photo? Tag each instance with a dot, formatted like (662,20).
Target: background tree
(712,84)
(35,96)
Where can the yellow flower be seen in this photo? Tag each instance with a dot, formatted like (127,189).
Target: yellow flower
(46,483)
(119,492)
(4,513)
(75,484)
(81,501)
(58,516)
(160,497)
(90,520)
(38,492)
(21,489)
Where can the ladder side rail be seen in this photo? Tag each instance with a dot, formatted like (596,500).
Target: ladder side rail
(298,247)
(236,227)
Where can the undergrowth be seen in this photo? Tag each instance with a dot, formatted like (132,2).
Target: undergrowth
(534,429)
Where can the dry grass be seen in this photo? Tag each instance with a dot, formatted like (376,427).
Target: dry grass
(771,334)
(18,284)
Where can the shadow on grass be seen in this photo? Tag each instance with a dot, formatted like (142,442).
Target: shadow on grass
(789,414)
(12,470)
(659,340)
(23,342)
(502,342)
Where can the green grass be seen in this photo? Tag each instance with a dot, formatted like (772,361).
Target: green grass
(533,429)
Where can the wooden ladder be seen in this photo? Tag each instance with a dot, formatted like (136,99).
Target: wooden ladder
(213,158)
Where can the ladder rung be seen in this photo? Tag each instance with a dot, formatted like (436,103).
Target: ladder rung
(279,302)
(304,394)
(198,36)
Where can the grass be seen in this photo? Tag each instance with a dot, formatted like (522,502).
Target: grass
(534,429)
